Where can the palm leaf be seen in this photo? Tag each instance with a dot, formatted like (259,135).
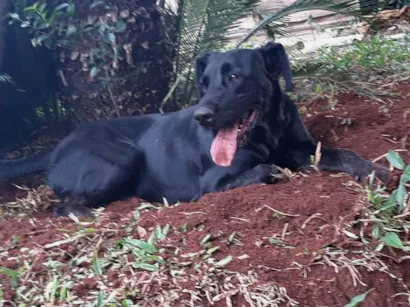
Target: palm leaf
(5,78)
(203,26)
(347,7)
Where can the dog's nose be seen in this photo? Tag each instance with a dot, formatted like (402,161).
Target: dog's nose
(204,116)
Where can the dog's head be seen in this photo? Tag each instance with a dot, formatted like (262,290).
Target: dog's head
(235,91)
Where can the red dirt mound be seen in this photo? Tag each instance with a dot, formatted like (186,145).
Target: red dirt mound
(291,234)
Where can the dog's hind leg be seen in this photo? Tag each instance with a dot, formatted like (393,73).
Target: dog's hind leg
(300,147)
(333,160)
(344,160)
(78,207)
(91,178)
(93,183)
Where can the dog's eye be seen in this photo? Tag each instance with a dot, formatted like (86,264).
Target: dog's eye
(233,77)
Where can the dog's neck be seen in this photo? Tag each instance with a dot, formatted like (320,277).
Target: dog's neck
(269,131)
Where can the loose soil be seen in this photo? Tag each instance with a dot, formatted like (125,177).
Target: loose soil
(288,236)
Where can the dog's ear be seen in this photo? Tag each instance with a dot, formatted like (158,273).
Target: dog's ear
(200,65)
(276,62)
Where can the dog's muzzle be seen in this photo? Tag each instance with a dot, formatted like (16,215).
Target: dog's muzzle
(204,116)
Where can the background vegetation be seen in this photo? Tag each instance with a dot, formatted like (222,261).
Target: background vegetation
(76,61)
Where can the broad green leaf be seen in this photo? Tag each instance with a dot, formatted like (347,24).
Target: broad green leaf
(141,244)
(93,72)
(404,178)
(376,232)
(42,38)
(25,24)
(71,30)
(391,201)
(71,9)
(111,38)
(407,170)
(96,3)
(14,15)
(358,299)
(395,159)
(393,240)
(62,6)
(120,26)
(127,303)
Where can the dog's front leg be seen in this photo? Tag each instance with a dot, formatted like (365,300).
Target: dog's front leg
(344,160)
(262,173)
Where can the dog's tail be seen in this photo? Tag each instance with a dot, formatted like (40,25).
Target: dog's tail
(10,169)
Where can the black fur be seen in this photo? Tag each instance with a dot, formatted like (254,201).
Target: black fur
(155,156)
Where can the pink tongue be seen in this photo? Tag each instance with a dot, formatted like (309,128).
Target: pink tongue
(224,146)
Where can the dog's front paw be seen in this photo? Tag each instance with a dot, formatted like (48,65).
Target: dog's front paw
(361,173)
(64,210)
(266,173)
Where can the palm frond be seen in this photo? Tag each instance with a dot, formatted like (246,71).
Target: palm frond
(347,7)
(203,26)
(5,78)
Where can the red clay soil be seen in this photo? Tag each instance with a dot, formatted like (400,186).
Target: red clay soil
(315,207)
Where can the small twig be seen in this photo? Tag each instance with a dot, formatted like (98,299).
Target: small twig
(277,211)
(117,110)
(68,240)
(318,155)
(239,219)
(275,269)
(193,213)
(284,231)
(316,215)
(62,77)
(401,215)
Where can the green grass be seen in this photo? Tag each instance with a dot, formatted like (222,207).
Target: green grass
(375,55)
(387,212)
(367,68)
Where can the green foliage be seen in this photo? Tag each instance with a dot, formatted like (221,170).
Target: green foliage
(400,192)
(12,274)
(53,28)
(358,299)
(44,25)
(5,78)
(202,26)
(145,252)
(379,54)
(361,67)
(387,209)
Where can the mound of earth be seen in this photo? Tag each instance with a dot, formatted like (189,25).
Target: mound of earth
(294,243)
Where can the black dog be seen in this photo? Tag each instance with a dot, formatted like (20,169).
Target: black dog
(242,125)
